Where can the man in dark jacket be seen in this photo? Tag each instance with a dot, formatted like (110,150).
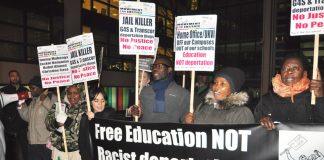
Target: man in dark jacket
(290,99)
(15,127)
(164,100)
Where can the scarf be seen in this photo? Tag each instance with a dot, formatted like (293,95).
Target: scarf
(159,88)
(289,91)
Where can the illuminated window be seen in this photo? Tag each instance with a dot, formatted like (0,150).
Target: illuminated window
(161,50)
(114,13)
(170,14)
(194,5)
(165,22)
(169,52)
(100,8)
(169,32)
(86,4)
(114,3)
(104,7)
(86,29)
(169,24)
(161,11)
(106,1)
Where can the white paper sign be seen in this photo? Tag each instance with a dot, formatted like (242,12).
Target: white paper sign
(136,28)
(145,62)
(307,17)
(83,58)
(296,145)
(195,40)
(54,65)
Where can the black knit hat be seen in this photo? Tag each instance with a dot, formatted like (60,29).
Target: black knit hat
(234,76)
(36,81)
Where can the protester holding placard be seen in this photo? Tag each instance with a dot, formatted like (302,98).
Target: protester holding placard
(224,103)
(99,110)
(70,117)
(290,99)
(35,115)
(164,100)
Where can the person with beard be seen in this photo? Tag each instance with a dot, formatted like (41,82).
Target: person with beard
(290,100)
(164,100)
(225,102)
(35,115)
(15,127)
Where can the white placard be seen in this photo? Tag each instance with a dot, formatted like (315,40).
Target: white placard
(54,65)
(300,145)
(145,62)
(83,58)
(136,28)
(307,17)
(195,40)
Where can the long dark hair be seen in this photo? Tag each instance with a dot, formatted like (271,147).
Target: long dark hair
(93,93)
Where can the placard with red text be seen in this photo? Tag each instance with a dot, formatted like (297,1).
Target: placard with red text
(194,42)
(136,28)
(83,58)
(307,17)
(54,65)
(145,62)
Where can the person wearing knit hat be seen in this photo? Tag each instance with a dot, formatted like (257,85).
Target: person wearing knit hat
(225,102)
(35,115)
(36,81)
(234,76)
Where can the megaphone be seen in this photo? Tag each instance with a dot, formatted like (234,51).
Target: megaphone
(8,98)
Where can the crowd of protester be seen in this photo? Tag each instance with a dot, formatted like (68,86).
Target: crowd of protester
(33,128)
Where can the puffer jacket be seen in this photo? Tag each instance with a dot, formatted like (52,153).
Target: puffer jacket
(228,111)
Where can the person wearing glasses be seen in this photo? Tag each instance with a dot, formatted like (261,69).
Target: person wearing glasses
(290,100)
(164,100)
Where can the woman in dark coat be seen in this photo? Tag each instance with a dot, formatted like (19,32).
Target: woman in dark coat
(99,110)
(225,103)
(290,100)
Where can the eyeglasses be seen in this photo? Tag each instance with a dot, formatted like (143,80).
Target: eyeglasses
(158,66)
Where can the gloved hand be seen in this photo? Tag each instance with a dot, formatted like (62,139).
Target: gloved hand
(20,102)
(60,129)
(61,117)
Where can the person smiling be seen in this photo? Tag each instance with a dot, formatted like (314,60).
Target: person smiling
(290,99)
(164,100)
(224,104)
(69,117)
(99,110)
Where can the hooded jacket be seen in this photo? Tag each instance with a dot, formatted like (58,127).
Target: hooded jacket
(35,115)
(231,110)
